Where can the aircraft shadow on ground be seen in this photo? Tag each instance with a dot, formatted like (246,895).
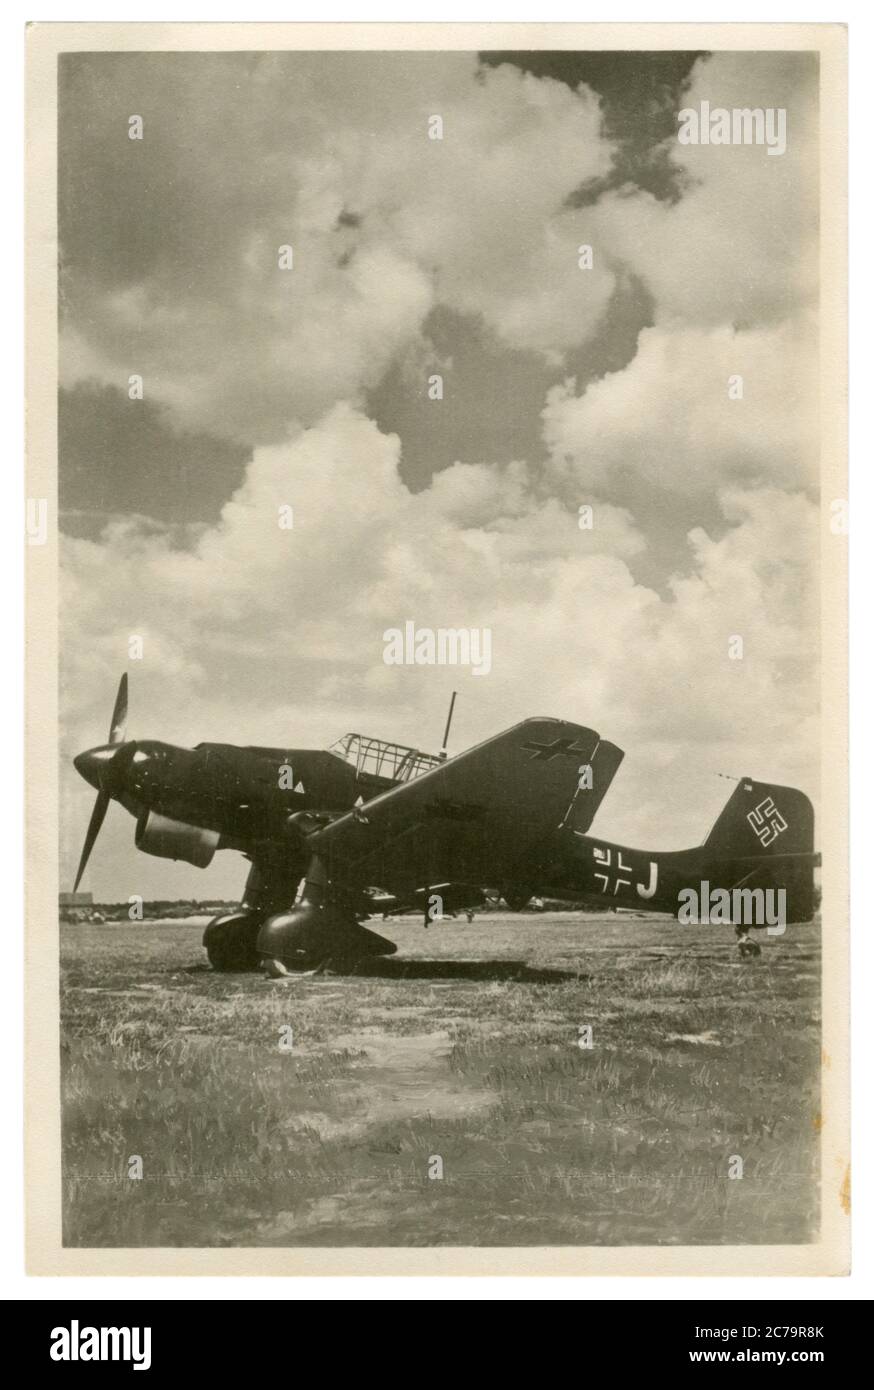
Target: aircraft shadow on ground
(390,968)
(474,970)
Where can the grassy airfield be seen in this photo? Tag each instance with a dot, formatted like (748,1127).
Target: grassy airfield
(464,1046)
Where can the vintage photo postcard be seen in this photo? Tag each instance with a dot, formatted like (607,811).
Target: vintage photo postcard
(436,730)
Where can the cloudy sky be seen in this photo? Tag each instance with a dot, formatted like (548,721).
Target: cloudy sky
(307,387)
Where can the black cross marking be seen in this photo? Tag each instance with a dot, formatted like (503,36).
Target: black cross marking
(559,748)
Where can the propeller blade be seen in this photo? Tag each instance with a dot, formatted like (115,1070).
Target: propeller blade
(111,783)
(110,774)
(118,723)
(97,815)
(112,779)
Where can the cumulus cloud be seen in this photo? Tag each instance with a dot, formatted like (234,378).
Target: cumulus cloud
(732,269)
(671,416)
(740,245)
(333,159)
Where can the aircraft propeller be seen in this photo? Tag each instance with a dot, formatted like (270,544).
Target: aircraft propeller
(109,772)
(118,722)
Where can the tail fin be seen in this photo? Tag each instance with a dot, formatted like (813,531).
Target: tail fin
(761,819)
(764,839)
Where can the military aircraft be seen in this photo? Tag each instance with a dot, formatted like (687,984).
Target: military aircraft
(323,828)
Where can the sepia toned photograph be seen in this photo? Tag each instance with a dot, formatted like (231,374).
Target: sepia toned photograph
(437,519)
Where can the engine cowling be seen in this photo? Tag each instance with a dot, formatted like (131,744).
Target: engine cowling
(175,839)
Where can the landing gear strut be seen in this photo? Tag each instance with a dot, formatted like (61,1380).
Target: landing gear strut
(321,929)
(745,945)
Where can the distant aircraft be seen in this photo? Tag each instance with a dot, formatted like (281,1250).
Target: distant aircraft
(322,827)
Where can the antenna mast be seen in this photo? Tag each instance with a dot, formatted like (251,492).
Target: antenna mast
(443,755)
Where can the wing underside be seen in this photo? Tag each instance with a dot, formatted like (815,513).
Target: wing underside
(486,815)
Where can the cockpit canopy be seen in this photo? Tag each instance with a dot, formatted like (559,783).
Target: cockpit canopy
(376,758)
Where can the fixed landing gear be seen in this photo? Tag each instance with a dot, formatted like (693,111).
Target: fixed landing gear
(745,944)
(318,932)
(312,936)
(230,941)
